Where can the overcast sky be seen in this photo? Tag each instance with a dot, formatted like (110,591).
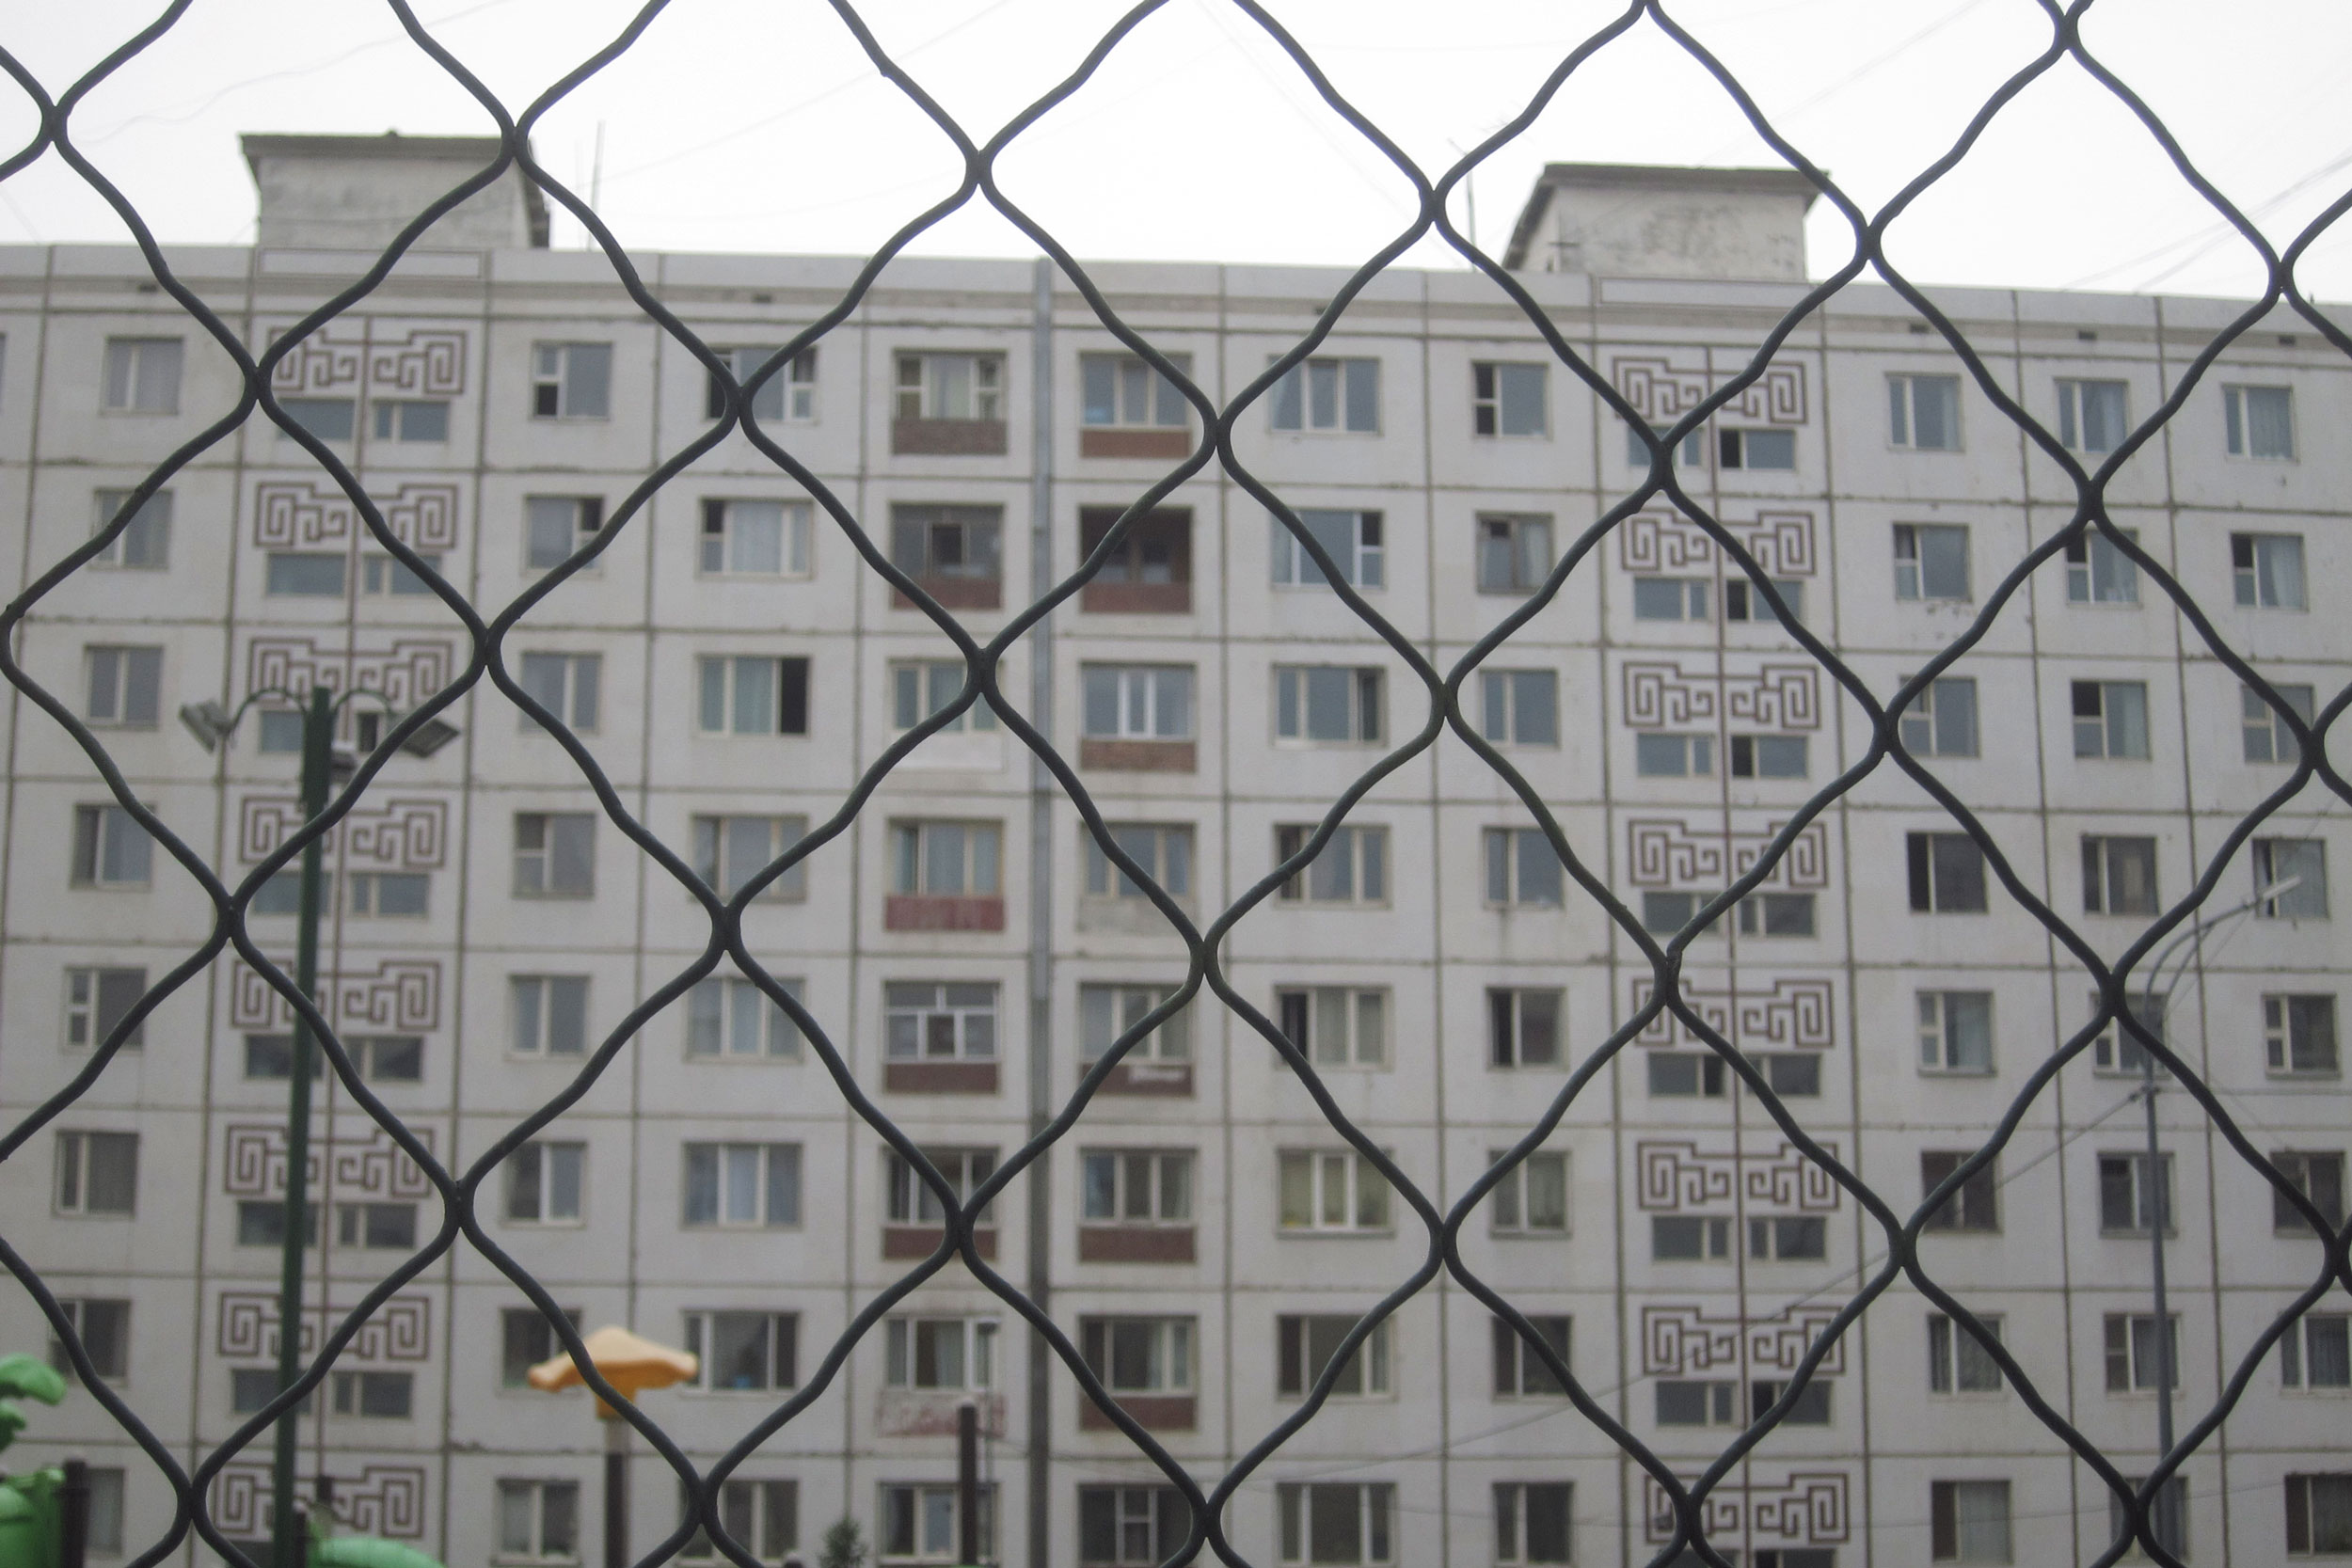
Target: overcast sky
(758,125)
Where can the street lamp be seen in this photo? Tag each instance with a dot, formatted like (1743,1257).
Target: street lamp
(212,725)
(2154,1005)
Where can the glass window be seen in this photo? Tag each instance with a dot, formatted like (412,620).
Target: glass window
(1958,1363)
(787,395)
(921,688)
(124,685)
(730,1018)
(1519,1369)
(1136,702)
(568,686)
(1163,850)
(1507,398)
(1948,873)
(556,526)
(2268,736)
(1335,1026)
(1941,721)
(1108,1011)
(555,854)
(2266,570)
(1955,1030)
(1352,868)
(951,386)
(549,1014)
(940,1021)
(1328,704)
(742,1184)
(1531,1199)
(2294,871)
(1923,412)
(2091,416)
(1932,561)
(1332,1190)
(543,1182)
(1328,395)
(110,848)
(1351,539)
(1513,552)
(571,381)
(750,695)
(1519,707)
(1135,1186)
(1968,1521)
(949,859)
(1523,868)
(145,542)
(1125,392)
(2098,571)
(142,375)
(755,538)
(1307,1344)
(1525,1025)
(1755,449)
(2259,422)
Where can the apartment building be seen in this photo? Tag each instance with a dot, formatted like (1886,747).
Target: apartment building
(738,668)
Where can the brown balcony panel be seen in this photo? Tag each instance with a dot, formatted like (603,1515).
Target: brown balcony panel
(1132,1244)
(943,911)
(903,1241)
(932,1413)
(1137,599)
(948,438)
(1166,442)
(1136,756)
(1173,1079)
(939,1077)
(1151,1411)
(955,593)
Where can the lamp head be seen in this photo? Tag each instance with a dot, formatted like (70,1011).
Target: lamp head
(430,736)
(208,721)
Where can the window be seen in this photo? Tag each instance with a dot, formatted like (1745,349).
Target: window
(97,1000)
(1932,561)
(388,895)
(1513,552)
(1522,868)
(555,526)
(1123,392)
(2129,1203)
(1335,1026)
(1694,1402)
(1955,1031)
(1810,1409)
(381,1395)
(2268,735)
(1686,1074)
(1670,598)
(742,1185)
(1328,395)
(1940,720)
(538,1521)
(1131,1526)
(1665,914)
(951,386)
(1768,756)
(2315,1354)
(787,396)
(912,1199)
(2319,1176)
(922,688)
(744,695)
(104,1529)
(1674,756)
(1351,539)
(948,859)
(382,575)
(375,1227)
(1744,601)
(1790,1073)
(2119,875)
(1689,453)
(1351,869)
(2259,422)
(567,685)
(2090,416)
(730,851)
(762,1516)
(729,1016)
(2110,719)
(1135,1186)
(1968,1521)
(1332,1190)
(251,1388)
(555,854)
(1923,412)
(2277,860)
(744,1351)
(110,848)
(1519,1371)
(104,1329)
(2098,571)
(957,545)
(2319,1514)
(1775,914)
(124,685)
(940,1022)
(1138,1356)
(939,1353)
(1507,400)
(1957,1362)
(327,419)
(98,1174)
(525,1340)
(754,539)
(1134,702)
(2266,570)
(142,375)
(1755,449)
(1519,707)
(1946,873)
(571,381)
(2117,1050)
(1789,1238)
(543,1182)
(300,574)
(1531,1199)
(1532,1522)
(2133,1352)
(1148,572)
(145,542)
(1524,1025)
(1688,1238)
(1163,850)
(1308,1343)
(1108,1011)
(412,420)
(920,1524)
(1335,1522)
(1973,1206)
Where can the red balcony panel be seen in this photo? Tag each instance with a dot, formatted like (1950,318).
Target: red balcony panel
(1136,756)
(903,1241)
(1151,1411)
(1167,442)
(948,438)
(944,911)
(939,1077)
(1134,1243)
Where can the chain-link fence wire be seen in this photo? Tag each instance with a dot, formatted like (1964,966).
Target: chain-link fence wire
(1204,946)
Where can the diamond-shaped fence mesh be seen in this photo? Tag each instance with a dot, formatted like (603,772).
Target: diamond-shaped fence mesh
(1662,1508)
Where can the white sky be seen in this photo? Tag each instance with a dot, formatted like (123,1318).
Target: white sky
(758,125)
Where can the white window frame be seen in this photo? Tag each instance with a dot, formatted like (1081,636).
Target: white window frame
(2287,1050)
(575,681)
(546,1160)
(922,394)
(1691,596)
(1332,1180)
(1658,754)
(1513,1502)
(1922,725)
(787,397)
(1519,707)
(1524,539)
(1713,1232)
(145,543)
(723,540)
(1764,756)
(371,895)
(1512,1204)
(1166,852)
(383,575)
(1498,392)
(86,1003)
(2167,1200)
(928,1505)
(1362,558)
(1517,858)
(1366,703)
(1300,399)
(112,682)
(1954,1355)
(1783,1237)
(940,680)
(129,384)
(571,380)
(1736,448)
(1911,563)
(536,853)
(1375,1523)
(724,684)
(1362,851)
(973,1021)
(2306,858)
(725,1000)
(2238,429)
(977,1339)
(1997,1528)
(580,522)
(2131,1338)
(78,1152)
(2104,858)
(111,849)
(114,1368)
(2076,405)
(393,417)
(1145,702)
(721,840)
(1507,1027)
(1373,1363)
(1905,429)
(538,1494)
(2256,581)
(909,1199)
(348,1392)
(1172,1357)
(1119,1005)
(1129,1187)
(2297,1356)
(2268,737)
(774,1169)
(2105,735)
(1361,1014)
(1132,392)
(748,1506)
(1937,1056)
(911,869)
(2098,573)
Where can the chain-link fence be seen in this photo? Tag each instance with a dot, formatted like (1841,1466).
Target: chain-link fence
(1673,1516)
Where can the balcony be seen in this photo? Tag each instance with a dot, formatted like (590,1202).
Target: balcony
(1151,1411)
(948,438)
(944,911)
(1130,1243)
(943,1077)
(901,1243)
(1136,757)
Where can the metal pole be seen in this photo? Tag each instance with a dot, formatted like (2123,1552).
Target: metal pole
(2160,1210)
(615,1492)
(73,1516)
(292,1548)
(968,1482)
